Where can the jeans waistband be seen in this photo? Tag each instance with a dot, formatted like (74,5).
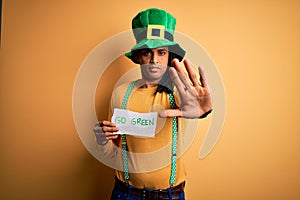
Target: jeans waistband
(173,192)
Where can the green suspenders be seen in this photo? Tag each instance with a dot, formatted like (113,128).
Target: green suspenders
(174,138)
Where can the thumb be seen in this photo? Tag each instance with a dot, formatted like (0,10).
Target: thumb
(170,113)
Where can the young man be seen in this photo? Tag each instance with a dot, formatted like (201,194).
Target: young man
(158,56)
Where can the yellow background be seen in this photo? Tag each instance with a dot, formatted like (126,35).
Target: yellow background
(255,45)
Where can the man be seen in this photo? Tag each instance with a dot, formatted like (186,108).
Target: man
(159,58)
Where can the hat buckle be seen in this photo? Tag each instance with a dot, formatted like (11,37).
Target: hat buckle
(155,32)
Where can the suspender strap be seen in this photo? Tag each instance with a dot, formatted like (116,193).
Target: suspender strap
(123,137)
(174,141)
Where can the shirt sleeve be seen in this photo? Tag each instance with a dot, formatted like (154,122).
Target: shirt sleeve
(111,149)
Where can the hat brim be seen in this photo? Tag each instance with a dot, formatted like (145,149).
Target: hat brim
(174,47)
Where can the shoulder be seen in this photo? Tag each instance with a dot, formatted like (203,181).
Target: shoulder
(119,93)
(119,89)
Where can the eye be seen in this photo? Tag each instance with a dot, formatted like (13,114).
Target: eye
(162,52)
(147,53)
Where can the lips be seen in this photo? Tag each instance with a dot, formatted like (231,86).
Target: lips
(154,68)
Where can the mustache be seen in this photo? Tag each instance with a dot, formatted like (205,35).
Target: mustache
(152,65)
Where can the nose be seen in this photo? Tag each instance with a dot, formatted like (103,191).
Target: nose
(154,58)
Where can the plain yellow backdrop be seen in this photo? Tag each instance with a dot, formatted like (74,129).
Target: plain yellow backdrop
(255,45)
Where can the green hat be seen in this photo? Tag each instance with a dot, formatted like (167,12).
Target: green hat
(153,28)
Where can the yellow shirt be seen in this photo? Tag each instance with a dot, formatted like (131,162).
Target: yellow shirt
(150,158)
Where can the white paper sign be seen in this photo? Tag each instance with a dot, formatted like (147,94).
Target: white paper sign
(134,123)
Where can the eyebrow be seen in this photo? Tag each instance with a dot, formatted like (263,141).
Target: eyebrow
(158,49)
(162,48)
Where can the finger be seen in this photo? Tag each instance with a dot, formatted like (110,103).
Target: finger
(170,113)
(107,123)
(109,129)
(176,64)
(181,74)
(202,76)
(176,80)
(191,72)
(112,137)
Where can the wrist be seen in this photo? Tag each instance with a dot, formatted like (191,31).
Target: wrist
(102,140)
(204,115)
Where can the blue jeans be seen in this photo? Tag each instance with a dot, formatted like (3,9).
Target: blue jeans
(121,195)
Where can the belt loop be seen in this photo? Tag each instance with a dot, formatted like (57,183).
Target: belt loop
(170,193)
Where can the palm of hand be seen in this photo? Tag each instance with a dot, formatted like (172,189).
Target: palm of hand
(195,96)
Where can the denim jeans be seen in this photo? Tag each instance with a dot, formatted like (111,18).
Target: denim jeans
(120,195)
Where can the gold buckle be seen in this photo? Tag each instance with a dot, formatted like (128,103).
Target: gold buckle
(151,30)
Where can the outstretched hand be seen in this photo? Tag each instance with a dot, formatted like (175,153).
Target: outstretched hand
(195,96)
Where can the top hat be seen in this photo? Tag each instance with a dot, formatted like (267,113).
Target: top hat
(153,28)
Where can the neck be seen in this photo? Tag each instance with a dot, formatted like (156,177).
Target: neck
(146,84)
